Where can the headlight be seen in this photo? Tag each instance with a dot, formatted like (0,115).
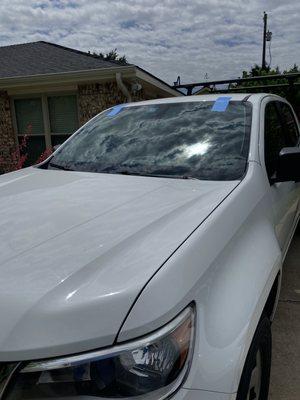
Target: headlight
(153,366)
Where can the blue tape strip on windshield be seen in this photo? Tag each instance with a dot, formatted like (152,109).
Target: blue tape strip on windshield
(115,110)
(221,104)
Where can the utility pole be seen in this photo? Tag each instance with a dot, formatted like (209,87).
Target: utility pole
(263,63)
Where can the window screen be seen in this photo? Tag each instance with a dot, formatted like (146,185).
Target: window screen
(63,114)
(29,116)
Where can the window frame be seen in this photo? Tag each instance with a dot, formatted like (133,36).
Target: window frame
(282,117)
(263,105)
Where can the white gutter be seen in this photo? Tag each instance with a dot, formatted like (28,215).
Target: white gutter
(83,76)
(123,87)
(86,76)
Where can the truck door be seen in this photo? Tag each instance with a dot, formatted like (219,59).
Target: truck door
(281,130)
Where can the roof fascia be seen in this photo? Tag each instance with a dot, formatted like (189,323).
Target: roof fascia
(85,76)
(99,74)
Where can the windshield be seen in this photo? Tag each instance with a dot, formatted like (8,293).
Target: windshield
(187,140)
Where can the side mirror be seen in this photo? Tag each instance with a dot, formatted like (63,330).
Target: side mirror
(288,165)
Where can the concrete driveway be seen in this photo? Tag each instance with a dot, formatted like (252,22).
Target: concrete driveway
(285,374)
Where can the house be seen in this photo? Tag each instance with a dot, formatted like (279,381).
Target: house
(47,91)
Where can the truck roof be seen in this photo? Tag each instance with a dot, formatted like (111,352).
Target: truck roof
(252,97)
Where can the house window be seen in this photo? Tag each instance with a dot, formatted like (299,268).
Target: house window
(58,139)
(46,121)
(29,114)
(31,131)
(35,147)
(63,114)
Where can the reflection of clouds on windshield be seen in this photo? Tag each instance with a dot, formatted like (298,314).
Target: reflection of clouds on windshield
(197,149)
(180,139)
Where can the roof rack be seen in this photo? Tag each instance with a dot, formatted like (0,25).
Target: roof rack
(289,81)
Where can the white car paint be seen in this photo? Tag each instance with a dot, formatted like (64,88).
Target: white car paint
(81,245)
(87,260)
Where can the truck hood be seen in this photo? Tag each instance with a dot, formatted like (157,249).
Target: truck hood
(76,249)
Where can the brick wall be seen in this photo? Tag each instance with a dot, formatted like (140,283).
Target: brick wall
(96,97)
(7,136)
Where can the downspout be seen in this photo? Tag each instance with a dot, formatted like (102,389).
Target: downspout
(122,87)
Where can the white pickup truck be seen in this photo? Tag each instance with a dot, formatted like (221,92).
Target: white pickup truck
(143,259)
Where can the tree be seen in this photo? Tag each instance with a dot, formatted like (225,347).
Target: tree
(256,70)
(112,55)
(292,94)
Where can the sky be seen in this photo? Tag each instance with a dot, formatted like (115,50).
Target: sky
(196,39)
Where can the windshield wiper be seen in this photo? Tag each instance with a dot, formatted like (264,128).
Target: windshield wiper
(57,166)
(125,172)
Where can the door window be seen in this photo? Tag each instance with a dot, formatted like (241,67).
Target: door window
(274,138)
(290,125)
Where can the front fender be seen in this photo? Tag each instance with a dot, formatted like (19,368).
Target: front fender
(227,269)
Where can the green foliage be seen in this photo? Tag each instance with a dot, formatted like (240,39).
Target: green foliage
(258,71)
(112,55)
(267,85)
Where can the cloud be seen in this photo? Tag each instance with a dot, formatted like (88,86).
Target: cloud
(168,38)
